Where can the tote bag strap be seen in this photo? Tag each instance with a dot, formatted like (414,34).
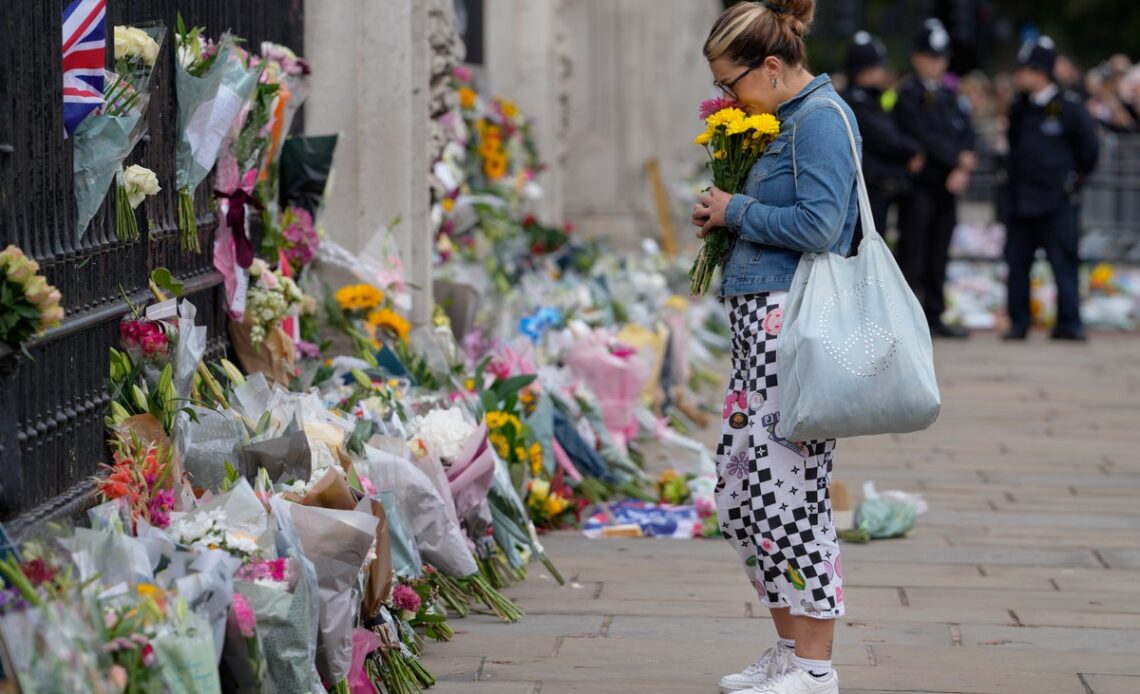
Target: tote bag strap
(866,218)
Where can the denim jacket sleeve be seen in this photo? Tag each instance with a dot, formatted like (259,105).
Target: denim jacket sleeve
(824,171)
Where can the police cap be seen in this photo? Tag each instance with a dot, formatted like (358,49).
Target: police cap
(1039,54)
(864,51)
(932,39)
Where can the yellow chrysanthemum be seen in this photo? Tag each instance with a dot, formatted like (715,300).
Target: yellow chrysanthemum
(510,110)
(501,445)
(467,97)
(725,117)
(554,505)
(703,139)
(391,321)
(720,154)
(764,124)
(359,297)
(448,205)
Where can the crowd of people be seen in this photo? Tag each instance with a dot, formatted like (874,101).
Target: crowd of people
(1038,125)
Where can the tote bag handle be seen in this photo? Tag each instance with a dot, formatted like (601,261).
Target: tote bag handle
(867,219)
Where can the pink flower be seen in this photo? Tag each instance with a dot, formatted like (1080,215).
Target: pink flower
(622,351)
(405,598)
(711,106)
(243,613)
(154,344)
(148,655)
(737,399)
(117,676)
(462,73)
(369,488)
(160,507)
(774,321)
(308,350)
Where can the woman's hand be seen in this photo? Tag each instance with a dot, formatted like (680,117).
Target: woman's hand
(708,213)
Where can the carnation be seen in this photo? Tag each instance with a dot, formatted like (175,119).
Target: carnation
(405,598)
(445,432)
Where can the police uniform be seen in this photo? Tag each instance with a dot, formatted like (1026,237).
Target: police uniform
(932,114)
(886,150)
(1053,147)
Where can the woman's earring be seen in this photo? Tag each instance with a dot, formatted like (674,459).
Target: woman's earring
(773,83)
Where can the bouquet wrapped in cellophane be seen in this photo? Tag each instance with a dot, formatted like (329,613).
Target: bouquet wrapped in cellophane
(734,141)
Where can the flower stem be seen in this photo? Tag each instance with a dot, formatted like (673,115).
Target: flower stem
(126,223)
(187,222)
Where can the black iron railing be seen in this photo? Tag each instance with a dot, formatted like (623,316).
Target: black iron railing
(52,407)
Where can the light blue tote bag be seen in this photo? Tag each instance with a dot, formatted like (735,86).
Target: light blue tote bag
(855,352)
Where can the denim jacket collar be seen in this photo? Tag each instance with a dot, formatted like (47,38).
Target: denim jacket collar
(789,107)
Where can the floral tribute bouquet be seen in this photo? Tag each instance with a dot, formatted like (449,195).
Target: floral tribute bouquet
(104,141)
(213,86)
(365,313)
(28,304)
(734,142)
(141,477)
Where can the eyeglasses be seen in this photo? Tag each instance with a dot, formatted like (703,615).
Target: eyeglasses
(728,87)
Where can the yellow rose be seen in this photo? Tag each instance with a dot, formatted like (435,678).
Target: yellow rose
(539,489)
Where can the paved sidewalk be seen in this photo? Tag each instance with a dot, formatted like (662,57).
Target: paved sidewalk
(1024,576)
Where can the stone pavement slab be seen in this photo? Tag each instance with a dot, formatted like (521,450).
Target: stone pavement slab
(1024,576)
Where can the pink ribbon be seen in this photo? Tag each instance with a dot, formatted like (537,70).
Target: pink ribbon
(564,462)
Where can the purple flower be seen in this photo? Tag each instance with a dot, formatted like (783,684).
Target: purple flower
(11,601)
(737,465)
(301,238)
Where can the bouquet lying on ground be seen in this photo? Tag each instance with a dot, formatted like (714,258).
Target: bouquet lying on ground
(734,141)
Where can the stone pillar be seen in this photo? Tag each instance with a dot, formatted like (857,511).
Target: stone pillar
(639,76)
(528,61)
(370,84)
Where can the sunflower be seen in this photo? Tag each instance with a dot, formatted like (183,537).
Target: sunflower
(495,167)
(359,297)
(391,321)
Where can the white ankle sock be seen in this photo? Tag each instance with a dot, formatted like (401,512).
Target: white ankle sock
(816,668)
(789,644)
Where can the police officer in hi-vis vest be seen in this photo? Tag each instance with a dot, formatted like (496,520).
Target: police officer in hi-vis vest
(931,113)
(1053,147)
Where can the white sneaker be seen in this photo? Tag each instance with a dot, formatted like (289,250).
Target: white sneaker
(795,680)
(773,661)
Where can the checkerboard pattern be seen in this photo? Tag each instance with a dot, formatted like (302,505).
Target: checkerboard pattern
(772,494)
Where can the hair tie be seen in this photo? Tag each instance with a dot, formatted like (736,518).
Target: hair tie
(773,7)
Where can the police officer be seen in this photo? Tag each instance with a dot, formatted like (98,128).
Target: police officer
(1053,148)
(931,113)
(888,154)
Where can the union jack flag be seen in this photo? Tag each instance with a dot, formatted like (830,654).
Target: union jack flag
(84,49)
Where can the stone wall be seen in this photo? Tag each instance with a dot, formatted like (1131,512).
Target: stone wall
(638,77)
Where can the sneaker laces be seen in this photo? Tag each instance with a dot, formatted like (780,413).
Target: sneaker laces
(762,664)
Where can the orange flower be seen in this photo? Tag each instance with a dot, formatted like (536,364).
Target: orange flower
(467,97)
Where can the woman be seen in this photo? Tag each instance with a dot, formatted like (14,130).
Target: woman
(772,496)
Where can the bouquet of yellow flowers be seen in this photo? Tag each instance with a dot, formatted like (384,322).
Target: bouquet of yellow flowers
(734,141)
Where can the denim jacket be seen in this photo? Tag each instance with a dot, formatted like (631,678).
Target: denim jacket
(800,197)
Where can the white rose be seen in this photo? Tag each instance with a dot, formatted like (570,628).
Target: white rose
(146,47)
(259,266)
(124,42)
(139,182)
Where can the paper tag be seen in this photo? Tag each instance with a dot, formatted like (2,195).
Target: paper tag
(163,310)
(210,123)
